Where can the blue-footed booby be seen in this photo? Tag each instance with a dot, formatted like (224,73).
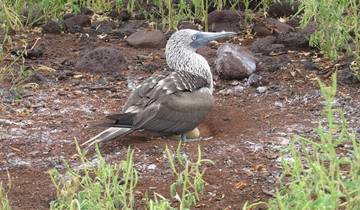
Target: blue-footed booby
(175,101)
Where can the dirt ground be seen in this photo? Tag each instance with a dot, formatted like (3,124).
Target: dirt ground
(248,126)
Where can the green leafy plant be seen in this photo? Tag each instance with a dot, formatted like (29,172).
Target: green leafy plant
(131,6)
(99,185)
(105,186)
(219,4)
(159,203)
(10,14)
(52,8)
(320,175)
(201,11)
(338,25)
(16,72)
(4,200)
(189,183)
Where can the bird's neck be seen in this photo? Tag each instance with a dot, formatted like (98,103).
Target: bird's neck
(190,61)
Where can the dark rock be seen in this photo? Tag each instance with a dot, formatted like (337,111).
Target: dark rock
(272,63)
(292,39)
(103,27)
(265,45)
(52,27)
(102,59)
(225,20)
(86,11)
(275,48)
(124,15)
(294,22)
(74,24)
(270,26)
(32,53)
(261,30)
(148,39)
(188,25)
(75,29)
(309,65)
(113,14)
(277,26)
(283,9)
(234,62)
(346,76)
(35,52)
(262,43)
(129,28)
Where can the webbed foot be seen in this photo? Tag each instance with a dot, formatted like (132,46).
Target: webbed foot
(193,135)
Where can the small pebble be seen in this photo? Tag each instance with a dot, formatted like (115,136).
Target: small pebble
(261,89)
(279,104)
(151,167)
(238,90)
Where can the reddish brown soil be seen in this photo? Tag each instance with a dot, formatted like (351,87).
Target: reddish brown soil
(247,128)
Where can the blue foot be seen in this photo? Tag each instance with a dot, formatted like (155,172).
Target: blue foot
(183,137)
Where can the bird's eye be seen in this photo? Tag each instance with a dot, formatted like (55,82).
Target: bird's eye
(193,37)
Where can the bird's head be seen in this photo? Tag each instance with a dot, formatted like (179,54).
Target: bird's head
(192,39)
(181,53)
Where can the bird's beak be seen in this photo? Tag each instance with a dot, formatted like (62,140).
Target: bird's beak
(202,38)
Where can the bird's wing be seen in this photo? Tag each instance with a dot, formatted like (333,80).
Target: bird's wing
(169,103)
(165,99)
(164,103)
(154,88)
(176,113)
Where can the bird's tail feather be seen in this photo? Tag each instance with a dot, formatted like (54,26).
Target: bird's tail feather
(106,135)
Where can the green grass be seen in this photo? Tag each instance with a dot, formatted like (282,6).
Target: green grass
(4,201)
(14,70)
(338,26)
(189,183)
(39,11)
(111,186)
(10,15)
(320,174)
(104,186)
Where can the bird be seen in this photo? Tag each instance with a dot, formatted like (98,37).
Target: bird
(175,101)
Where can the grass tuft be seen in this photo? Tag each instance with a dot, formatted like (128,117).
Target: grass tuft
(322,173)
(4,201)
(338,26)
(105,186)
(189,183)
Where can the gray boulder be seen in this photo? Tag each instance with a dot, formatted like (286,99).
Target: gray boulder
(266,45)
(75,23)
(147,39)
(225,20)
(234,62)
